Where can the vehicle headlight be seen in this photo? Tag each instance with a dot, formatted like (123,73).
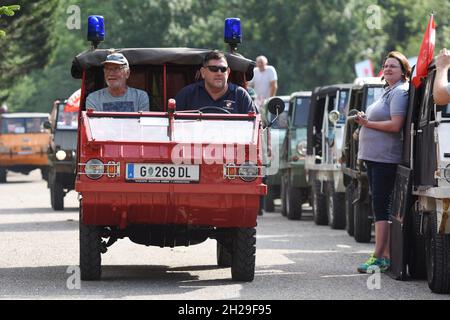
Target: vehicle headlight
(301,148)
(248,171)
(447,173)
(60,155)
(94,169)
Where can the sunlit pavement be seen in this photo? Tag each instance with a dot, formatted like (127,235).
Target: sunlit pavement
(295,259)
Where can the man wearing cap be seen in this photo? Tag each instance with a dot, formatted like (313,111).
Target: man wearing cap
(117,97)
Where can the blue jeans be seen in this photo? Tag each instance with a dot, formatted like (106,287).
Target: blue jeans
(381,183)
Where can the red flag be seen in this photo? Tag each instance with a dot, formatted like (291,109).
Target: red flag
(426,53)
(73,103)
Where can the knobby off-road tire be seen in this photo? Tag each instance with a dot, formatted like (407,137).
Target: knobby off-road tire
(90,251)
(417,267)
(269,205)
(349,210)
(243,254)
(437,251)
(2,175)
(362,222)
(57,196)
(294,200)
(283,194)
(44,173)
(319,204)
(336,207)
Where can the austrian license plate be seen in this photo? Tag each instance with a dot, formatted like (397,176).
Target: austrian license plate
(145,172)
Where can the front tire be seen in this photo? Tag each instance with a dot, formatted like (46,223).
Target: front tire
(243,254)
(2,175)
(416,263)
(437,251)
(269,205)
(293,202)
(44,173)
(363,222)
(336,207)
(319,204)
(349,210)
(283,194)
(90,251)
(57,196)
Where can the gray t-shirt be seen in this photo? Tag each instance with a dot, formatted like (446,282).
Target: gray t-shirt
(380,146)
(132,101)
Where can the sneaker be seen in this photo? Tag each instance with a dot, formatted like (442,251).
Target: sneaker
(374,264)
(386,263)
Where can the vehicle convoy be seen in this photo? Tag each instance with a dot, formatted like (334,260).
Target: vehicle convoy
(167,178)
(294,190)
(420,229)
(358,211)
(277,134)
(23,143)
(62,151)
(329,106)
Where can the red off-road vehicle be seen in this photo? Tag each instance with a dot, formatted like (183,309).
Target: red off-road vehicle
(167,178)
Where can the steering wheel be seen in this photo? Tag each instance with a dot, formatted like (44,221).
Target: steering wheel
(214,108)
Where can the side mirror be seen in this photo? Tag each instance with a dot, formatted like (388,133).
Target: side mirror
(276,106)
(333,116)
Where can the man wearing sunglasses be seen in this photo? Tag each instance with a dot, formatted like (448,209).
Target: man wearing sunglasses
(214,90)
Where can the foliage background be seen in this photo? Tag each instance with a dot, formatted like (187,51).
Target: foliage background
(310,42)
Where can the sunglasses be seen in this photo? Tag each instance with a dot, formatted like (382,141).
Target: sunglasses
(217,68)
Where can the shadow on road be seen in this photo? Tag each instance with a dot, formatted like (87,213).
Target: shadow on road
(118,281)
(63,225)
(16,182)
(36,210)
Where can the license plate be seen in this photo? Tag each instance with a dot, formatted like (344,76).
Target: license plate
(145,172)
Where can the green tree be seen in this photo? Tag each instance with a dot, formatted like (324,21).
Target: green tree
(30,41)
(310,42)
(9,11)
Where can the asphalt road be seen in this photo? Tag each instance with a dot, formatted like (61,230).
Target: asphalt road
(295,260)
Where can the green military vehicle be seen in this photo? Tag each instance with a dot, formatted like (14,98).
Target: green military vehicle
(358,210)
(420,228)
(294,188)
(323,160)
(62,152)
(277,135)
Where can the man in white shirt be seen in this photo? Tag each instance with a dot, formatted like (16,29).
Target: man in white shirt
(265,81)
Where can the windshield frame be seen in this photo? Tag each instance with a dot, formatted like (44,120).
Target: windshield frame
(168,127)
